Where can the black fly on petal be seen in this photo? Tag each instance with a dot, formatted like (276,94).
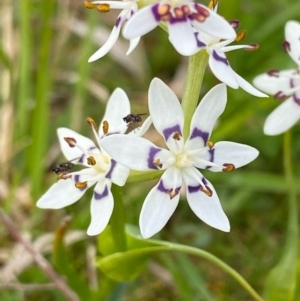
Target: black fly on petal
(133,121)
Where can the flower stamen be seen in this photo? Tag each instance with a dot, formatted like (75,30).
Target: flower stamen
(228,167)
(102,8)
(71,141)
(210,144)
(173,192)
(206,190)
(105,127)
(81,185)
(92,123)
(177,136)
(241,36)
(157,163)
(91,161)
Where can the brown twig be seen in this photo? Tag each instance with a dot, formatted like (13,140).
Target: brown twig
(38,258)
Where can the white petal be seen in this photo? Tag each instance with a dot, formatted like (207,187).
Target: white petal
(282,118)
(222,70)
(136,152)
(118,173)
(292,36)
(158,206)
(101,208)
(140,23)
(166,112)
(118,106)
(215,25)
(107,46)
(231,153)
(205,116)
(181,35)
(208,209)
(61,194)
(248,87)
(72,153)
(275,84)
(132,45)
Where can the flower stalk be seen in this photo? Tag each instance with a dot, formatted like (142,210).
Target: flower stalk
(195,74)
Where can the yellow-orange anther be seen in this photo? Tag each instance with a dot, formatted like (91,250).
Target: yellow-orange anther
(240,36)
(91,122)
(105,127)
(210,144)
(91,161)
(81,185)
(228,167)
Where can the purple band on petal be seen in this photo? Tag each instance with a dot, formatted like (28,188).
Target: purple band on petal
(113,163)
(169,131)
(99,196)
(220,58)
(118,22)
(200,44)
(174,20)
(162,188)
(76,178)
(151,157)
(198,133)
(212,156)
(193,189)
(155,12)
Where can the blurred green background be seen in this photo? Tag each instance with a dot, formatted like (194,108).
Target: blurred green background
(46,83)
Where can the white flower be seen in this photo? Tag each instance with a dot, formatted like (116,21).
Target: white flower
(182,160)
(183,18)
(100,168)
(129,7)
(284,85)
(218,62)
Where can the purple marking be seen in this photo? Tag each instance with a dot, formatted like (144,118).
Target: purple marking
(151,155)
(220,58)
(296,99)
(118,22)
(174,20)
(76,178)
(162,188)
(81,158)
(99,196)
(171,130)
(212,157)
(193,189)
(200,44)
(155,12)
(112,166)
(198,133)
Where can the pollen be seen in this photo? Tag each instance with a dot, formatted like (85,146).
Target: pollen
(212,4)
(71,141)
(228,167)
(177,136)
(92,123)
(157,163)
(91,161)
(105,127)
(210,144)
(252,47)
(206,190)
(240,36)
(102,8)
(163,9)
(81,185)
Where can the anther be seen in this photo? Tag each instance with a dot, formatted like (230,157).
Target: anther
(228,167)
(240,36)
(157,163)
(163,9)
(287,46)
(92,123)
(71,141)
(91,160)
(251,47)
(105,127)
(102,8)
(210,144)
(274,73)
(206,190)
(89,5)
(235,23)
(177,136)
(212,4)
(173,192)
(81,185)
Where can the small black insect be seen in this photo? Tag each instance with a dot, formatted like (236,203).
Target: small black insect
(64,167)
(131,118)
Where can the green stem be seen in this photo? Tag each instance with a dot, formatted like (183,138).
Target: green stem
(215,260)
(117,220)
(292,231)
(195,74)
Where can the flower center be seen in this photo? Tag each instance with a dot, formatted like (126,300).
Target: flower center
(99,162)
(182,160)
